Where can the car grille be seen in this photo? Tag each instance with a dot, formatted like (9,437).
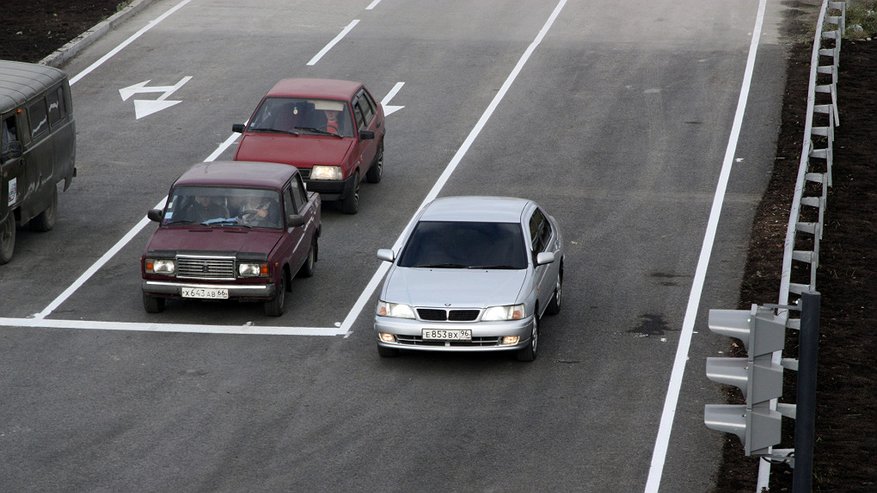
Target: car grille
(442,314)
(475,342)
(205,267)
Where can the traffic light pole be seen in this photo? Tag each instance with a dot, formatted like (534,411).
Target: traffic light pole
(805,423)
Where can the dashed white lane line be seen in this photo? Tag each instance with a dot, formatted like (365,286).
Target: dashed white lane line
(334,41)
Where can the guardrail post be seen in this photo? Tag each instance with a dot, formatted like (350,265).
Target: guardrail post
(805,421)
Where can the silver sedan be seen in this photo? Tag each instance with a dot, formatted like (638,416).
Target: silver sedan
(473,274)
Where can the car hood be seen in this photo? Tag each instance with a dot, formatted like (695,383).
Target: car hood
(301,151)
(454,287)
(216,239)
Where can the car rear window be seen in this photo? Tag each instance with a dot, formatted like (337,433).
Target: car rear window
(465,245)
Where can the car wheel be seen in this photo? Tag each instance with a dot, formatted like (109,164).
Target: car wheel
(529,353)
(45,220)
(387,352)
(376,172)
(153,304)
(7,238)
(274,308)
(557,298)
(307,269)
(350,203)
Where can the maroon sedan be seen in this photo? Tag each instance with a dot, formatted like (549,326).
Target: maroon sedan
(332,130)
(232,230)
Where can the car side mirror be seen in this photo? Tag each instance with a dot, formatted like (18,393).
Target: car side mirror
(238,127)
(543,258)
(386,254)
(155,215)
(366,135)
(295,220)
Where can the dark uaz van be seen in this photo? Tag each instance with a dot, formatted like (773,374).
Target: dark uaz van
(37,147)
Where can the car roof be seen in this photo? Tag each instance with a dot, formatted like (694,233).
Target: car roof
(20,80)
(315,88)
(477,209)
(237,173)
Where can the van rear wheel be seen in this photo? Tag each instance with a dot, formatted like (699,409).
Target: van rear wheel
(7,239)
(45,221)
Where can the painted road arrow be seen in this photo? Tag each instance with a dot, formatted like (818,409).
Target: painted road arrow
(146,107)
(389,109)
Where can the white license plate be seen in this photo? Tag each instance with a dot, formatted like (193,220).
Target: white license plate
(447,334)
(205,293)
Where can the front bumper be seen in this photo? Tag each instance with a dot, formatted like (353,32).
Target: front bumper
(241,292)
(332,190)
(486,336)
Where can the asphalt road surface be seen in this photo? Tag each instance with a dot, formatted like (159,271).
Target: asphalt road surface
(615,116)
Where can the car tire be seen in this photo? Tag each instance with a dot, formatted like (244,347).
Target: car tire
(387,352)
(307,269)
(376,172)
(7,238)
(153,304)
(45,220)
(557,298)
(529,353)
(274,307)
(350,203)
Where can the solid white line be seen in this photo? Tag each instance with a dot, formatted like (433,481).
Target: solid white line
(164,327)
(390,95)
(659,453)
(334,41)
(128,41)
(373,5)
(452,165)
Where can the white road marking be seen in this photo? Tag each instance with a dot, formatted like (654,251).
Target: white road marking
(146,107)
(373,5)
(128,41)
(334,41)
(388,109)
(165,327)
(659,454)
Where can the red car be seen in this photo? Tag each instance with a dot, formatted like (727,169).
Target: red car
(331,130)
(232,230)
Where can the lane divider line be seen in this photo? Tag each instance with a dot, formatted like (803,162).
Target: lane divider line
(334,41)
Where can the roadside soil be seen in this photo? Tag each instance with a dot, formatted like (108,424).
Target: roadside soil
(846,438)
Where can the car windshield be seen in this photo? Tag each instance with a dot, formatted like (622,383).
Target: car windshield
(302,116)
(465,245)
(221,206)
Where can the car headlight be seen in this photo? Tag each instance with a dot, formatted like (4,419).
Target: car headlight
(506,312)
(396,310)
(252,269)
(320,172)
(159,266)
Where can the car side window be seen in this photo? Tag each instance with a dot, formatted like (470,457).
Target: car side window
(57,111)
(368,108)
(360,117)
(39,119)
(299,196)
(540,231)
(289,203)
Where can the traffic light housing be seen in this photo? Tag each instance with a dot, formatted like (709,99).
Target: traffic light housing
(757,376)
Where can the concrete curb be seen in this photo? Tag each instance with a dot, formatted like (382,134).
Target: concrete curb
(86,39)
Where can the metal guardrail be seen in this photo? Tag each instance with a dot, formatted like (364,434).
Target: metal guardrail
(807,214)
